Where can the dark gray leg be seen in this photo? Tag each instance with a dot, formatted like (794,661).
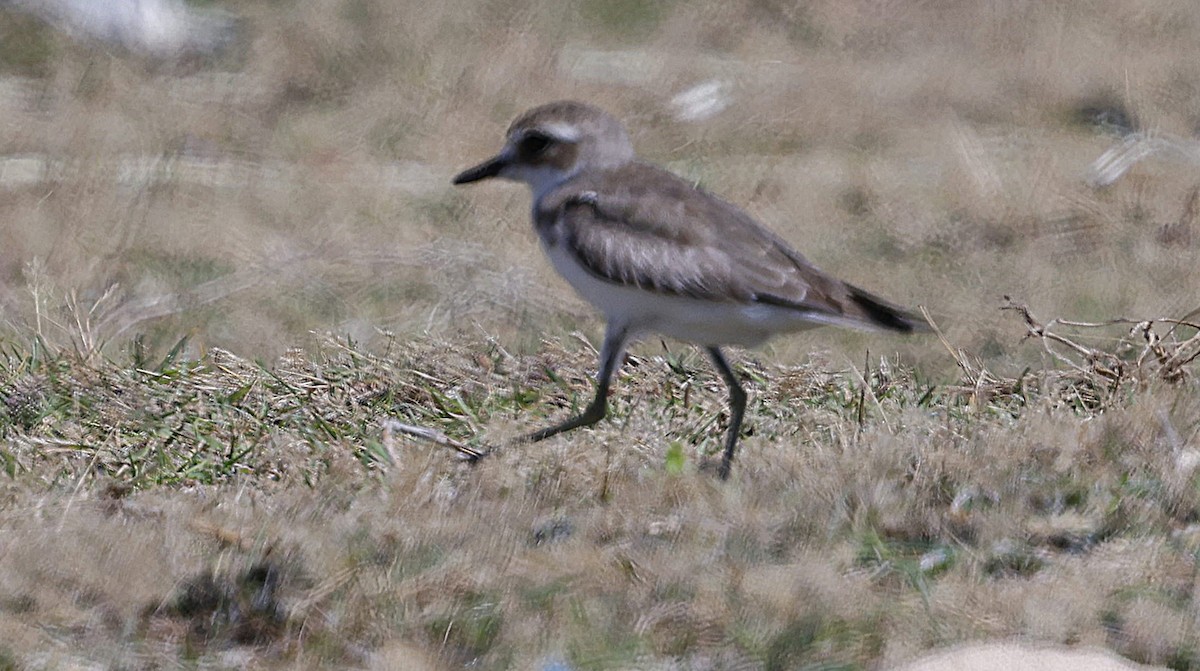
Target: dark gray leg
(737,408)
(615,337)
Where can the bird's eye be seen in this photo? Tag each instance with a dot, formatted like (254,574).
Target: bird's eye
(534,144)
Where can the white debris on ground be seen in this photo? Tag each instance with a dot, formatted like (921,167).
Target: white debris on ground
(156,27)
(1122,156)
(1023,657)
(702,101)
(143,172)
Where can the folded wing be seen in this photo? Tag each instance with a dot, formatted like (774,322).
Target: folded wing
(642,226)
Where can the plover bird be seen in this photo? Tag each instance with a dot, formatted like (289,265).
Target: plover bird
(656,254)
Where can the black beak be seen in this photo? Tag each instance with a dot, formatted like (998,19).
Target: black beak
(489,168)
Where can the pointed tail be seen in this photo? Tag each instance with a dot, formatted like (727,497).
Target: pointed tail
(886,315)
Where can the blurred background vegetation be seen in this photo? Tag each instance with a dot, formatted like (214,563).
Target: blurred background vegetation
(288,170)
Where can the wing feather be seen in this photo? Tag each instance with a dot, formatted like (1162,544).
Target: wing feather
(642,226)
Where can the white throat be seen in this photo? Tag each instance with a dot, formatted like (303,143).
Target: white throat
(541,179)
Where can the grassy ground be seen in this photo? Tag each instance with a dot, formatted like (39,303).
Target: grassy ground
(232,514)
(236,497)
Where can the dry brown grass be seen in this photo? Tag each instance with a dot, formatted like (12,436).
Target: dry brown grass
(169,505)
(241,515)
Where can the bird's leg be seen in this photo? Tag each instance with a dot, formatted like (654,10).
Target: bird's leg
(737,406)
(615,337)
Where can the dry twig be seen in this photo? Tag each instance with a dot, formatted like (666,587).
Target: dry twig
(1171,354)
(436,437)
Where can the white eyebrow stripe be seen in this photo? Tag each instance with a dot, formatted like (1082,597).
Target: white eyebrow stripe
(561,131)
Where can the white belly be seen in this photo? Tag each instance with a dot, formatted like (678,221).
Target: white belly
(689,319)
